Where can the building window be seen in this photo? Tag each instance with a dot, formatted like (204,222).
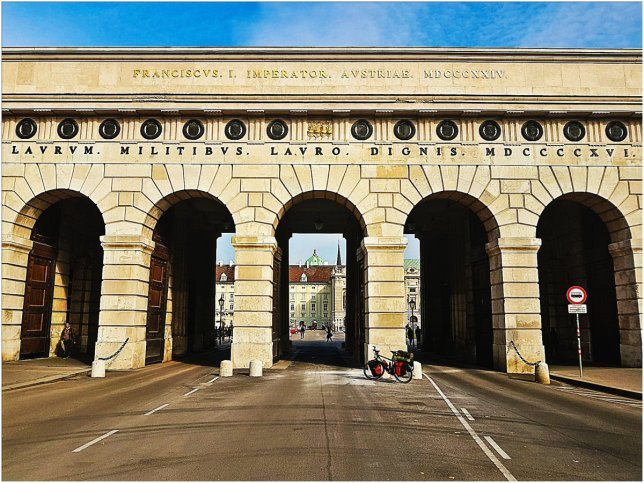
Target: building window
(412,289)
(232,296)
(26,129)
(292,307)
(616,131)
(326,296)
(223,278)
(312,306)
(490,130)
(292,287)
(532,131)
(193,129)
(68,128)
(313,287)
(447,130)
(326,306)
(361,130)
(303,308)
(232,307)
(109,129)
(277,130)
(303,278)
(292,296)
(235,130)
(312,296)
(151,129)
(404,130)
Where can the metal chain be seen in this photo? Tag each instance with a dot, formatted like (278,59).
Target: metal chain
(523,358)
(116,353)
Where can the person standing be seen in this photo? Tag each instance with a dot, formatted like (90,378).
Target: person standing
(417,336)
(302,329)
(410,335)
(329,334)
(67,340)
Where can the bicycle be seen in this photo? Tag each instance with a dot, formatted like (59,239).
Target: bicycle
(400,366)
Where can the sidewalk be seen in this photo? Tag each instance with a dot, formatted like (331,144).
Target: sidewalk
(624,381)
(31,372)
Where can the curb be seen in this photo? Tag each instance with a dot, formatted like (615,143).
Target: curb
(46,380)
(598,387)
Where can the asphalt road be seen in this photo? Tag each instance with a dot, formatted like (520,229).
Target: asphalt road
(316,419)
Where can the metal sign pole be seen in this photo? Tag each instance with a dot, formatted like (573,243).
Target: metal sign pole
(581,371)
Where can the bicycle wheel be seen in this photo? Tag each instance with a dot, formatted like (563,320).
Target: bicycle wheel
(367,370)
(407,376)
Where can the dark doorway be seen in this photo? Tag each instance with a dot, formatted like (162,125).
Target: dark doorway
(182,291)
(63,284)
(456,307)
(574,251)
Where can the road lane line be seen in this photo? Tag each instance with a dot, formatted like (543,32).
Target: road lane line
(155,410)
(467,414)
(475,437)
(94,441)
(190,392)
(498,449)
(213,380)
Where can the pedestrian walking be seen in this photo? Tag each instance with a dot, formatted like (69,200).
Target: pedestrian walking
(302,329)
(329,334)
(67,340)
(410,335)
(417,336)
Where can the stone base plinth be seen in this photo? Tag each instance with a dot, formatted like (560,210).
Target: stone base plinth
(242,353)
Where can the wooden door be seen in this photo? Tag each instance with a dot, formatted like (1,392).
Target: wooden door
(157,301)
(36,315)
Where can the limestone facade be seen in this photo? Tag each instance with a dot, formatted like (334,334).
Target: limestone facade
(506,183)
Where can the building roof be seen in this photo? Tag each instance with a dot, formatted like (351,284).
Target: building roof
(315,260)
(317,274)
(412,263)
(229,270)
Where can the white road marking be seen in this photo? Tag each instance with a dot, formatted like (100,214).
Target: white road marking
(155,410)
(190,392)
(467,414)
(213,380)
(482,445)
(498,449)
(94,441)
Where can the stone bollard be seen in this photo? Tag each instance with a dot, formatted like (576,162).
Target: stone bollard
(98,368)
(255,368)
(418,370)
(541,373)
(226,369)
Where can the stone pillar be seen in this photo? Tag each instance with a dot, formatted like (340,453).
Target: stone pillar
(124,299)
(627,263)
(253,318)
(516,311)
(15,254)
(385,294)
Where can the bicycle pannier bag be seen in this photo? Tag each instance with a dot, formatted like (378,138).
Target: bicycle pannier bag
(400,368)
(376,368)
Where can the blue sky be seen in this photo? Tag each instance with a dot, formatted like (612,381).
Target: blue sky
(431,24)
(450,24)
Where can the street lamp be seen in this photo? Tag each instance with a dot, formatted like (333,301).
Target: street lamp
(221,317)
(412,306)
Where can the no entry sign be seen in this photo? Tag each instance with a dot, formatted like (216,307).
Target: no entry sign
(576,295)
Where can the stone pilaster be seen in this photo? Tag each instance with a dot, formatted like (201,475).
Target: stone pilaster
(253,318)
(385,294)
(15,254)
(124,299)
(627,263)
(516,311)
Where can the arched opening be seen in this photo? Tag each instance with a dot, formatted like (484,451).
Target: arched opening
(453,299)
(182,302)
(63,281)
(312,292)
(575,251)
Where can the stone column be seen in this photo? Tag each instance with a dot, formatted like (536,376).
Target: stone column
(627,263)
(516,311)
(124,299)
(253,318)
(385,294)
(15,255)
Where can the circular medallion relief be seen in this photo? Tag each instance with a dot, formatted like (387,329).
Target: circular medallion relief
(574,131)
(404,130)
(151,129)
(447,130)
(361,130)
(67,128)
(490,130)
(235,130)
(193,129)
(109,129)
(531,131)
(616,131)
(277,130)
(26,128)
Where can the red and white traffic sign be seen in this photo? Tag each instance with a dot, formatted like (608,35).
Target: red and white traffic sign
(576,295)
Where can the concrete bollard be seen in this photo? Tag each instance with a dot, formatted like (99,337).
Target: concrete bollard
(541,373)
(418,370)
(98,368)
(226,369)
(255,368)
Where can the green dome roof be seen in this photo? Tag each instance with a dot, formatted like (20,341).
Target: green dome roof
(314,260)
